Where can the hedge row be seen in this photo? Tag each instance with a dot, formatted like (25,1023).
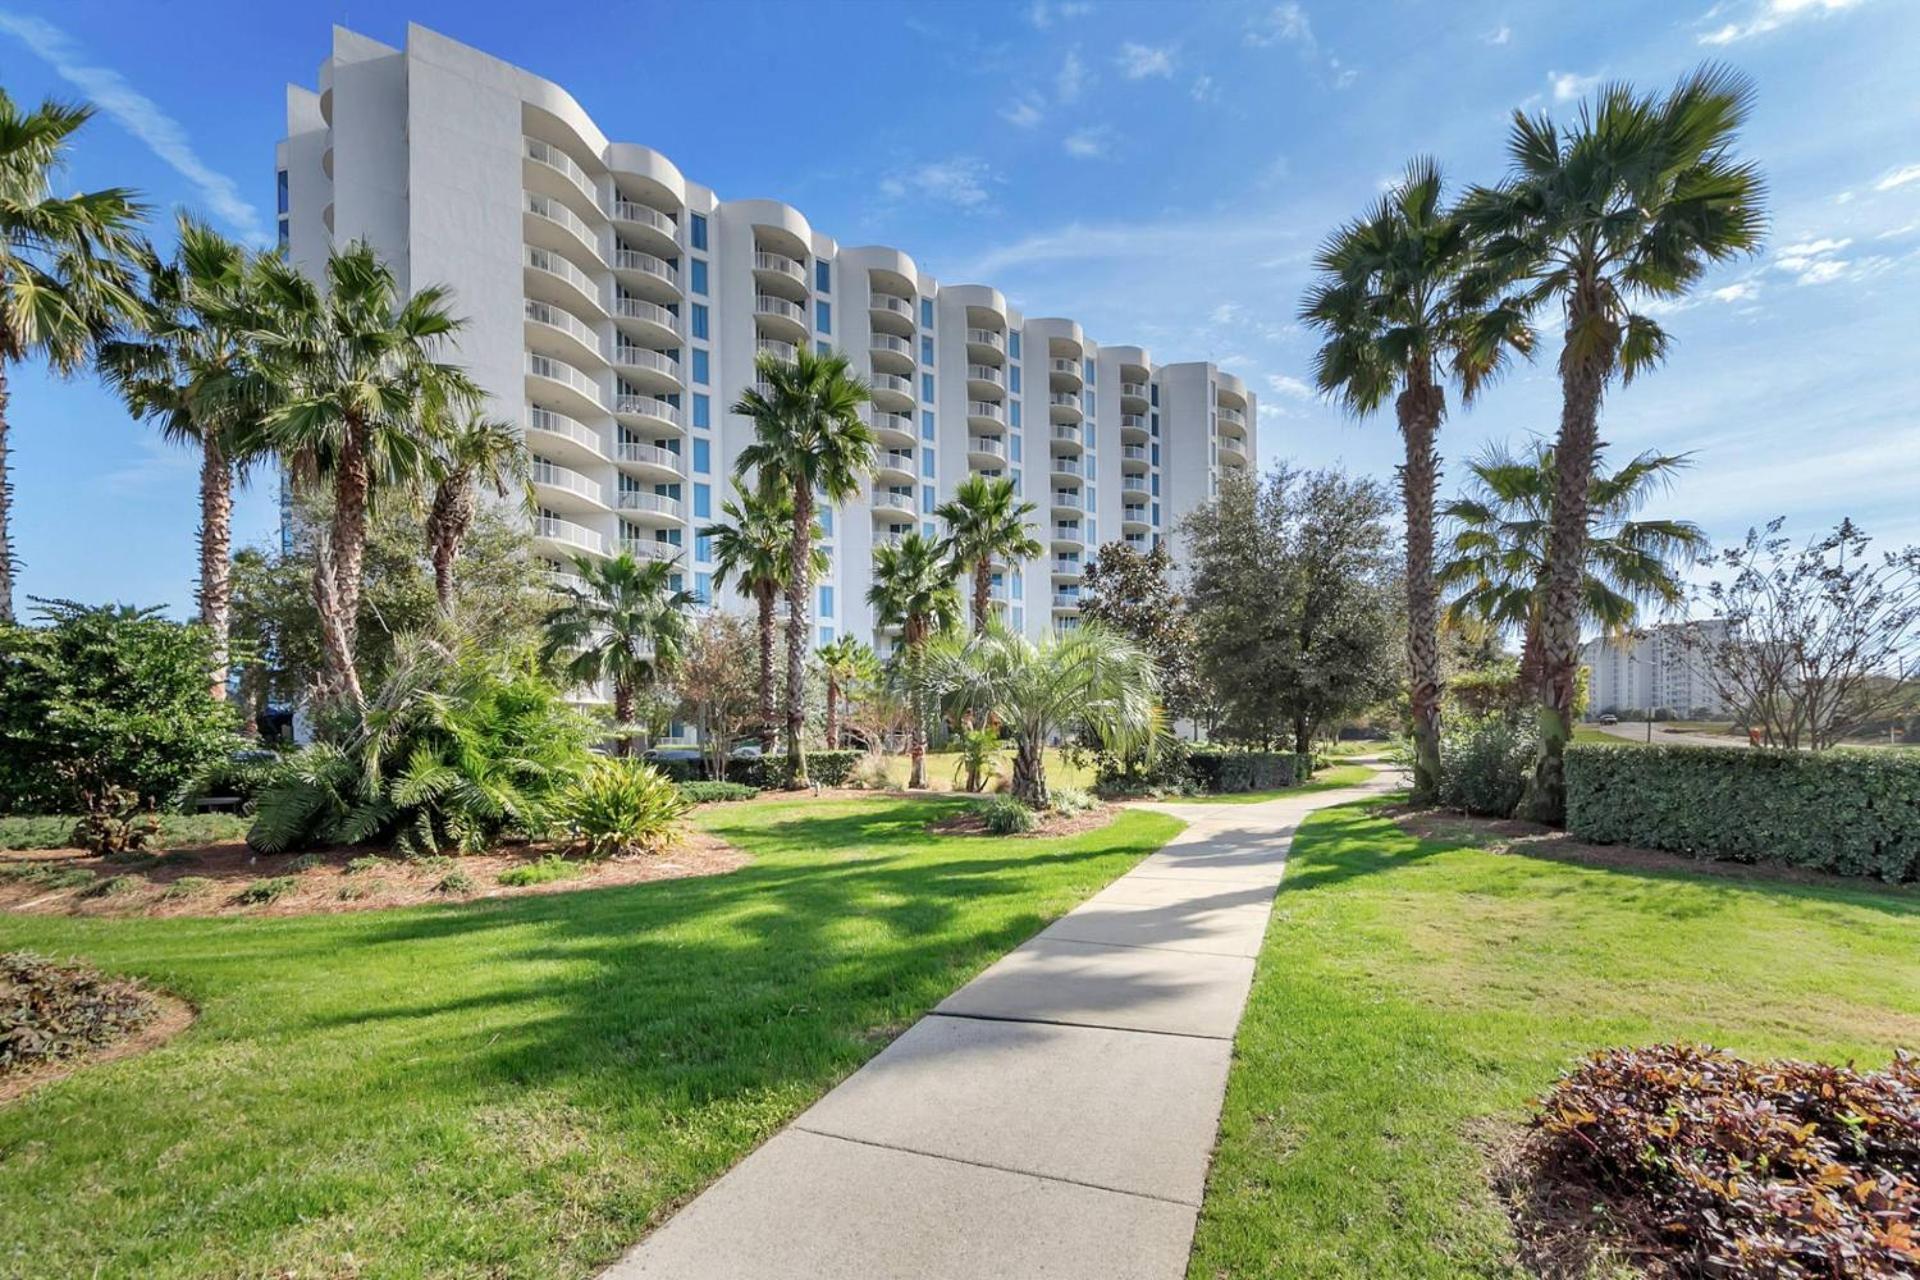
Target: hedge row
(1852,813)
(1233,771)
(770,773)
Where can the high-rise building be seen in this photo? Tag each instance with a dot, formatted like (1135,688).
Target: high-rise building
(616,308)
(1665,667)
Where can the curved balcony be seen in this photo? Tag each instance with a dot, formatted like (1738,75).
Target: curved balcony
(1066,375)
(647,368)
(650,459)
(552,225)
(1062,466)
(647,506)
(643,224)
(785,352)
(649,277)
(892,428)
(544,159)
(896,466)
(1232,450)
(885,503)
(554,331)
(986,346)
(1065,568)
(1064,406)
(648,412)
(569,535)
(650,549)
(1066,434)
(896,353)
(1066,500)
(991,448)
(987,412)
(1133,516)
(1135,397)
(780,316)
(1069,535)
(553,277)
(984,381)
(1134,427)
(887,313)
(1232,417)
(566,438)
(563,488)
(892,390)
(1134,485)
(1066,601)
(780,274)
(648,321)
(566,387)
(1136,455)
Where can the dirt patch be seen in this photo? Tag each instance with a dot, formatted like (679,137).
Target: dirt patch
(1563,1230)
(229,878)
(1051,827)
(171,1016)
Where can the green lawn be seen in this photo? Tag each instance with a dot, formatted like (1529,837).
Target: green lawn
(941,767)
(508,1088)
(1329,779)
(177,830)
(1411,992)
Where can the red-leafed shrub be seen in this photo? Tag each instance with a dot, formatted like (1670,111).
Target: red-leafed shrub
(1777,1170)
(50,1011)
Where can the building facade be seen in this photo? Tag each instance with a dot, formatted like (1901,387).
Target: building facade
(1657,668)
(616,308)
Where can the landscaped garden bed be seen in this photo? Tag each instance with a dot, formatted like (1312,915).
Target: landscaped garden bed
(55,1017)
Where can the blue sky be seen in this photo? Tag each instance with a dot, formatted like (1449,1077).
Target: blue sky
(1160,171)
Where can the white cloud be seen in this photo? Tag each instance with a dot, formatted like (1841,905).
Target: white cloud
(1742,291)
(1499,35)
(1764,16)
(1139,61)
(961,181)
(1291,387)
(1071,80)
(1044,13)
(1810,249)
(1898,177)
(1224,313)
(142,117)
(1568,85)
(1024,114)
(1284,23)
(1089,143)
(1204,89)
(1342,76)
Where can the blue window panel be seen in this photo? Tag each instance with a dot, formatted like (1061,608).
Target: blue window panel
(699,325)
(826,636)
(1013,413)
(826,601)
(926,425)
(702,410)
(1019,620)
(282,200)
(1156,486)
(927,459)
(702,547)
(703,456)
(926,313)
(823,316)
(926,350)
(1015,454)
(703,588)
(1016,481)
(703,501)
(926,530)
(677,582)
(926,500)
(826,521)
(701,372)
(1093,533)
(698,280)
(822,275)
(926,387)
(697,231)
(822,347)
(1156,515)
(1013,379)
(1155,453)
(1013,344)
(1154,393)
(1155,420)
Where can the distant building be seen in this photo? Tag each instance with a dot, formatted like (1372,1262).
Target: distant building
(1655,668)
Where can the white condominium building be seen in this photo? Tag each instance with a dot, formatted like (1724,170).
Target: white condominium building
(616,308)
(1665,666)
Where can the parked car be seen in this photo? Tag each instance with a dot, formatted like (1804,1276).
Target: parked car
(1609,718)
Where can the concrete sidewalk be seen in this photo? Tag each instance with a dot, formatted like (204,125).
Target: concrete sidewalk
(1054,1117)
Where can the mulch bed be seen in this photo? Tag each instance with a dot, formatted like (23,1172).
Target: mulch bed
(1051,827)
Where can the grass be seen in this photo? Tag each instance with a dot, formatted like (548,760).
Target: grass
(1413,995)
(514,1087)
(1329,779)
(941,768)
(177,830)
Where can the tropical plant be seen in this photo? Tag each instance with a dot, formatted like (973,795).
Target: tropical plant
(360,396)
(1088,679)
(913,590)
(754,547)
(987,522)
(184,370)
(1006,815)
(1402,310)
(480,451)
(625,623)
(1629,204)
(809,438)
(1495,568)
(978,751)
(66,274)
(845,663)
(619,807)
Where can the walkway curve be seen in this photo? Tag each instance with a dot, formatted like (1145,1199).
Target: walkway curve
(1052,1118)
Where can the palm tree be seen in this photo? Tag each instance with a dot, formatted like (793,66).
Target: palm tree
(185,371)
(986,522)
(1402,310)
(809,438)
(845,662)
(1089,677)
(1631,202)
(481,451)
(913,590)
(754,547)
(624,624)
(66,279)
(1497,563)
(361,394)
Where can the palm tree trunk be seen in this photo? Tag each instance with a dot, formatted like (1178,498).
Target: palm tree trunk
(916,705)
(338,677)
(352,483)
(445,552)
(623,714)
(798,590)
(6,507)
(1582,384)
(216,556)
(1420,408)
(833,714)
(982,595)
(1030,773)
(447,524)
(769,726)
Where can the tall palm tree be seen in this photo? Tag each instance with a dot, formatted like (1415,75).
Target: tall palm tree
(624,624)
(1402,311)
(810,438)
(361,393)
(1089,677)
(480,452)
(66,275)
(986,522)
(1631,202)
(184,370)
(754,547)
(913,590)
(845,662)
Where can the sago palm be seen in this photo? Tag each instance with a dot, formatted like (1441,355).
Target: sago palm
(1088,678)
(66,275)
(753,547)
(1496,565)
(846,663)
(1629,204)
(913,589)
(623,624)
(987,522)
(480,452)
(809,438)
(184,370)
(361,390)
(1402,311)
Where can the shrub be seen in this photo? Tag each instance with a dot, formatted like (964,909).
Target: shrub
(56,832)
(47,875)
(1484,763)
(186,887)
(456,882)
(770,773)
(52,1011)
(1222,772)
(1071,800)
(870,773)
(1787,1170)
(1137,773)
(545,871)
(243,771)
(112,886)
(977,755)
(1005,816)
(1848,812)
(366,862)
(261,892)
(713,792)
(115,822)
(622,806)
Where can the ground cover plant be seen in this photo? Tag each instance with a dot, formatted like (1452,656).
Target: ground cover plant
(50,1011)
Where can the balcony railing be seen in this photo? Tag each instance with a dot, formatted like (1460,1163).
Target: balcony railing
(1065,431)
(561,371)
(891,422)
(1135,452)
(555,212)
(1066,499)
(1066,599)
(1067,467)
(768,305)
(1232,416)
(1066,399)
(887,302)
(985,373)
(1073,367)
(1134,421)
(888,342)
(892,382)
(1134,514)
(649,406)
(778,349)
(1138,390)
(633,357)
(554,158)
(656,503)
(565,321)
(649,549)
(554,529)
(553,264)
(893,501)
(559,424)
(987,338)
(653,455)
(647,216)
(543,472)
(646,264)
(641,309)
(1068,533)
(986,409)
(1133,484)
(988,445)
(780,264)
(897,460)
(1066,565)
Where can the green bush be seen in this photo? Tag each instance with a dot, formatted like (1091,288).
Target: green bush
(1484,763)
(47,875)
(870,773)
(770,773)
(261,892)
(1005,816)
(186,887)
(1070,800)
(1135,773)
(367,862)
(51,1011)
(456,882)
(710,792)
(621,806)
(1853,813)
(55,831)
(112,886)
(544,871)
(1225,772)
(243,771)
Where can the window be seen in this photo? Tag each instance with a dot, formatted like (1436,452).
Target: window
(703,456)
(1156,515)
(1156,484)
(927,458)
(927,530)
(926,387)
(1013,413)
(698,280)
(822,276)
(926,313)
(823,315)
(1015,449)
(1016,481)
(703,501)
(700,371)
(826,520)
(280,183)
(926,500)
(1013,379)
(285,233)
(702,410)
(676,582)
(1155,420)
(697,231)
(1154,391)
(702,547)
(926,350)
(926,425)
(1013,344)
(1019,620)
(826,600)
(703,588)
(1156,455)
(822,347)
(699,328)
(826,636)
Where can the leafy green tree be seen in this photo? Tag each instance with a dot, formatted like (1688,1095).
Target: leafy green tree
(625,625)
(809,437)
(845,663)
(184,370)
(66,274)
(715,684)
(913,590)
(1402,309)
(1088,678)
(360,398)
(987,522)
(480,451)
(1131,593)
(754,547)
(1631,202)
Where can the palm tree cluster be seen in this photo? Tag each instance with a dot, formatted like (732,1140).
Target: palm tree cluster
(1628,204)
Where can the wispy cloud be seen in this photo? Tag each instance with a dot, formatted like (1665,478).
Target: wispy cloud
(1044,13)
(1140,61)
(1762,16)
(1289,386)
(1283,24)
(1024,113)
(1569,85)
(1898,177)
(1088,144)
(1072,78)
(960,181)
(141,116)
(1204,89)
(1499,35)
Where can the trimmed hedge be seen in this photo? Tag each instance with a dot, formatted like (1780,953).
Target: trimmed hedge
(1851,813)
(1222,772)
(769,773)
(716,792)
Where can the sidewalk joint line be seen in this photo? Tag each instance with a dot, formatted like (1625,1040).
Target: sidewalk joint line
(1091,1026)
(1143,946)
